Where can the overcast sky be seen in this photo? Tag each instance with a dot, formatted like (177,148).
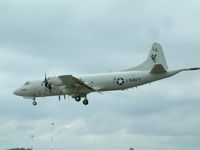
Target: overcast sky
(76,37)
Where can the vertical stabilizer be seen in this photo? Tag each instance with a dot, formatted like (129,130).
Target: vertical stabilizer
(156,57)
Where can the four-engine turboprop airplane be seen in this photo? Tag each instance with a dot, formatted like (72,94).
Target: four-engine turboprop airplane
(153,69)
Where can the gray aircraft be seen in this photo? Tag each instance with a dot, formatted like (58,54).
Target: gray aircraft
(153,69)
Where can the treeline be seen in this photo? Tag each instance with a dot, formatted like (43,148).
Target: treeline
(19,149)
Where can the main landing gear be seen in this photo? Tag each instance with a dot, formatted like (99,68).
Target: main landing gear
(78,99)
(85,101)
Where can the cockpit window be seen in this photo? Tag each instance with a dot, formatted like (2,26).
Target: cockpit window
(27,83)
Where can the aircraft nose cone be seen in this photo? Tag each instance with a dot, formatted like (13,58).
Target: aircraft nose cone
(16,92)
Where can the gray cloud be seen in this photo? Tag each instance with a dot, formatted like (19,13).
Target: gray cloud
(75,37)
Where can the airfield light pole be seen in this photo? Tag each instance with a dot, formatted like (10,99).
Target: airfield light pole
(52,128)
(32,137)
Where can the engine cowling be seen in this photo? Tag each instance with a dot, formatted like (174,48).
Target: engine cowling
(55,81)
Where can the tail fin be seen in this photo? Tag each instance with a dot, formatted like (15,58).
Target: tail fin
(155,63)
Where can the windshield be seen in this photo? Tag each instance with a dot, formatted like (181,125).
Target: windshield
(27,83)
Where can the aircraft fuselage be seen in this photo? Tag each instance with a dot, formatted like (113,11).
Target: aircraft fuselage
(100,82)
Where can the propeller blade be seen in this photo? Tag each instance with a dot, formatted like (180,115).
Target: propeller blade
(47,84)
(45,80)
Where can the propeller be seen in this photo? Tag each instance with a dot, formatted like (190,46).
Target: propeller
(47,84)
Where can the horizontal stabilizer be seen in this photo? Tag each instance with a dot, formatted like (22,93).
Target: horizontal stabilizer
(189,69)
(158,68)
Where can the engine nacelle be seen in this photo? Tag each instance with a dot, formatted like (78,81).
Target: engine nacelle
(55,81)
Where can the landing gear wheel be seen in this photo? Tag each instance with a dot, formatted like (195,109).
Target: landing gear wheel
(85,102)
(34,103)
(77,98)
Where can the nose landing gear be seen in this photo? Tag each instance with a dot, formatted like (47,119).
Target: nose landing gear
(34,102)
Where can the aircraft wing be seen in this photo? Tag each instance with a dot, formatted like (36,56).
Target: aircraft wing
(75,84)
